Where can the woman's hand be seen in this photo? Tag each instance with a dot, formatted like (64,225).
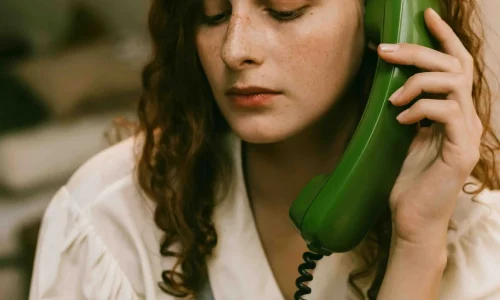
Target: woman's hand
(435,170)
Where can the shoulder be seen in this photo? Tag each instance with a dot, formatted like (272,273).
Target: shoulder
(473,210)
(104,171)
(105,191)
(473,248)
(99,232)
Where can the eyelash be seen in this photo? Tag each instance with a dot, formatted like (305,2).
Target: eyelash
(281,16)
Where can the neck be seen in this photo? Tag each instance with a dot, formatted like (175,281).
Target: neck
(275,173)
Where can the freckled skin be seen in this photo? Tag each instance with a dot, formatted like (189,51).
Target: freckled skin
(310,59)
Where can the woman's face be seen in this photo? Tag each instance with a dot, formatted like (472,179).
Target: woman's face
(276,67)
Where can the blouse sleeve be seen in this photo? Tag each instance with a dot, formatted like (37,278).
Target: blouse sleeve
(473,268)
(72,261)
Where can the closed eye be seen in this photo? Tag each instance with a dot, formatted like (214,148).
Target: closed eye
(282,16)
(216,19)
(288,15)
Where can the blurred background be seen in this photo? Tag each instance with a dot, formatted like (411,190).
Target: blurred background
(68,70)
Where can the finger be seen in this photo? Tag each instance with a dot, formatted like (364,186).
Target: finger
(436,83)
(450,84)
(422,57)
(449,41)
(447,112)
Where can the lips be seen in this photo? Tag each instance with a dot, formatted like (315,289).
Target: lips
(251,96)
(249,90)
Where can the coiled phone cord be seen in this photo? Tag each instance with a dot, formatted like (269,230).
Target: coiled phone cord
(309,263)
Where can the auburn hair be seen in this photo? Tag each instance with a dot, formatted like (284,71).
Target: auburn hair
(184,166)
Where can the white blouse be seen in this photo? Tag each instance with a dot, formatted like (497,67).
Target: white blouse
(98,241)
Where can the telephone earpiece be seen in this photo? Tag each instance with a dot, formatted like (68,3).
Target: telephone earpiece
(335,211)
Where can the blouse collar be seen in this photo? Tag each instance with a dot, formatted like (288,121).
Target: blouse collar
(238,267)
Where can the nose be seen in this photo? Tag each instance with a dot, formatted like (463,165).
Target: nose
(242,46)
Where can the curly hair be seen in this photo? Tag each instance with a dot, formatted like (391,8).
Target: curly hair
(185,169)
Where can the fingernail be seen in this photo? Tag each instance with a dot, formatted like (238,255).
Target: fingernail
(396,94)
(402,115)
(389,47)
(435,14)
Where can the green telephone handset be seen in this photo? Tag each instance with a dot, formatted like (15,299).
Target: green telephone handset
(334,212)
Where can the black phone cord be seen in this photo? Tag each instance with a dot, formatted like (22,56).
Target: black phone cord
(309,263)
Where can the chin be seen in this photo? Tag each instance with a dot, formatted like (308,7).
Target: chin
(262,133)
(257,138)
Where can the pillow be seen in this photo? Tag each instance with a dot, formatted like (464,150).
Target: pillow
(50,153)
(90,75)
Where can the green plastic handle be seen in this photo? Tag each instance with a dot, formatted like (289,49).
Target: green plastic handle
(334,212)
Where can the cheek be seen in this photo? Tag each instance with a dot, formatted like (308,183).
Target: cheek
(209,53)
(323,61)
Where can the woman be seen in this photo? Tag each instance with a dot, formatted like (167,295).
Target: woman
(243,103)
